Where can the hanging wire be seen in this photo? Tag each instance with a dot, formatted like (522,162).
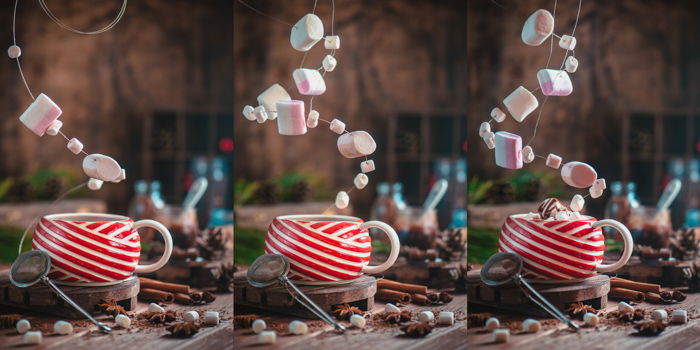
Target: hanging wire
(264,14)
(109,26)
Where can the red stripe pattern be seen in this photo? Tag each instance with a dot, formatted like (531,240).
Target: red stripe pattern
(554,249)
(89,251)
(320,250)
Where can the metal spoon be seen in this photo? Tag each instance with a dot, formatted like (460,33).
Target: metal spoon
(33,266)
(502,268)
(269,269)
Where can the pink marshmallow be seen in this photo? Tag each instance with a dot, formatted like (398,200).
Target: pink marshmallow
(309,81)
(553,161)
(509,153)
(290,117)
(40,114)
(577,174)
(554,82)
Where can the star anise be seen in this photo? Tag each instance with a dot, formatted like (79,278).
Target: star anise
(9,320)
(417,329)
(161,317)
(343,312)
(650,327)
(629,316)
(183,329)
(202,297)
(398,317)
(579,309)
(111,307)
(244,321)
(666,296)
(478,320)
(678,295)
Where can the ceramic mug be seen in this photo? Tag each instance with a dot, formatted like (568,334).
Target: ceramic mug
(95,249)
(325,249)
(559,250)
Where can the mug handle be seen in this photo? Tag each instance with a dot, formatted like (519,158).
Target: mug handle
(626,251)
(168,245)
(393,241)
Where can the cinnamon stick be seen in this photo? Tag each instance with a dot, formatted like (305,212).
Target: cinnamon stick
(433,296)
(617,282)
(183,299)
(626,294)
(167,287)
(402,287)
(420,299)
(653,298)
(156,295)
(392,296)
(445,297)
(649,253)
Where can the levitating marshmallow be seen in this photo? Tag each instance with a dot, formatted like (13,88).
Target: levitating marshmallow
(571,64)
(426,316)
(520,103)
(267,337)
(329,63)
(269,98)
(14,51)
(122,321)
(75,146)
(312,120)
(358,321)
(248,112)
(23,326)
(122,176)
(537,28)
(40,114)
(342,200)
(62,328)
(95,184)
(528,154)
(484,128)
(600,184)
(367,166)
(509,153)
(290,118)
(500,336)
(490,140)
(578,174)
(259,325)
(567,42)
(389,308)
(54,128)
(590,319)
(595,193)
(309,81)
(190,316)
(577,203)
(101,167)
(553,161)
(531,325)
(679,316)
(332,42)
(492,323)
(624,307)
(261,114)
(211,318)
(356,144)
(498,115)
(659,314)
(298,327)
(337,126)
(361,180)
(554,82)
(32,337)
(306,32)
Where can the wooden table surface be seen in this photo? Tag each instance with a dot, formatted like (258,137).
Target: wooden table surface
(384,337)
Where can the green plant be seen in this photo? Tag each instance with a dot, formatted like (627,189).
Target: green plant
(243,191)
(248,244)
(481,244)
(478,190)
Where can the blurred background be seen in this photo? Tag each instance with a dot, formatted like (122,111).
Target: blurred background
(155,93)
(633,114)
(400,76)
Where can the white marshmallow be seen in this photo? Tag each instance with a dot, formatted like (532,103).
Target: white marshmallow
(358,321)
(498,115)
(95,184)
(446,318)
(391,308)
(14,51)
(490,140)
(54,128)
(122,321)
(312,119)
(576,216)
(528,154)
(567,42)
(329,62)
(306,32)
(509,150)
(101,167)
(531,325)
(520,103)
(595,193)
(190,316)
(484,128)
(121,177)
(153,307)
(261,114)
(342,200)
(309,81)
(40,114)
(32,337)
(62,328)
(679,316)
(361,181)
(553,161)
(562,215)
(600,184)
(75,146)
(298,327)
(590,319)
(492,323)
(248,112)
(571,64)
(267,337)
(659,314)
(337,126)
(500,336)
(259,325)
(211,318)
(577,203)
(537,28)
(367,166)
(578,174)
(356,144)
(291,120)
(624,307)
(269,98)
(426,316)
(23,326)
(332,42)
(554,82)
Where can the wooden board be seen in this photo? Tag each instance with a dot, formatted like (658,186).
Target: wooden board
(276,298)
(593,291)
(668,273)
(434,274)
(41,298)
(197,274)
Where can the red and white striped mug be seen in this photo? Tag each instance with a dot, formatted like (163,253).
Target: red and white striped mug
(327,248)
(561,249)
(95,249)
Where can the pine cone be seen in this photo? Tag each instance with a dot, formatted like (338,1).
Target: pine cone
(21,191)
(267,193)
(300,191)
(452,244)
(224,277)
(54,187)
(502,193)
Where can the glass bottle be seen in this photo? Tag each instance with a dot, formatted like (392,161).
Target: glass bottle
(156,196)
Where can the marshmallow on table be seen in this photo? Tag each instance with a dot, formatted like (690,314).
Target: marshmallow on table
(101,167)
(332,42)
(63,327)
(306,32)
(367,166)
(40,114)
(32,337)
(298,327)
(356,144)
(248,112)
(571,64)
(342,200)
(269,98)
(567,42)
(267,337)
(54,128)
(95,184)
(659,314)
(358,321)
(500,335)
(498,115)
(361,181)
(520,103)
(329,62)
(211,318)
(309,81)
(490,140)
(190,316)
(153,307)
(679,316)
(577,203)
(531,325)
(554,82)
(624,307)
(492,323)
(426,316)
(14,51)
(590,319)
(23,326)
(312,120)
(75,146)
(290,118)
(553,161)
(337,126)
(122,321)
(389,307)
(508,150)
(484,128)
(578,174)
(261,115)
(528,154)
(259,325)
(537,28)
(446,318)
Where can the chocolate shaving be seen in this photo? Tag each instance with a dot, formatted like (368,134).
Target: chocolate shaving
(650,328)
(417,329)
(183,329)
(398,317)
(9,320)
(244,321)
(579,309)
(343,312)
(163,317)
(629,316)
(111,307)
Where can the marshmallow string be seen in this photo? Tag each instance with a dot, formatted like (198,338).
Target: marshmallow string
(77,31)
